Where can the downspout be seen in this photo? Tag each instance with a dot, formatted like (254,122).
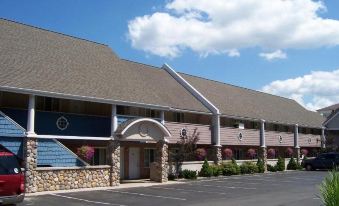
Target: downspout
(202,99)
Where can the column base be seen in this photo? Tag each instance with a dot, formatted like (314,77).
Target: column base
(114,148)
(217,154)
(263,155)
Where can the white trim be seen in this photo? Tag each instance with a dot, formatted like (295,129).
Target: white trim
(191,89)
(81,98)
(70,151)
(161,126)
(325,123)
(13,122)
(72,137)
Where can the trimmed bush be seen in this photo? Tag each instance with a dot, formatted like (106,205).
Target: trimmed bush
(230,169)
(292,164)
(171,176)
(216,170)
(271,168)
(236,166)
(248,168)
(206,170)
(189,174)
(280,164)
(329,189)
(261,165)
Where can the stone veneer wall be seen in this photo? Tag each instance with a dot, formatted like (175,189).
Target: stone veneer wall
(159,168)
(50,179)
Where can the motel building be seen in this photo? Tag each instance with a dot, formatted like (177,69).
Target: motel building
(59,93)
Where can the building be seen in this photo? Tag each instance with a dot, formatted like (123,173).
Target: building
(331,123)
(59,93)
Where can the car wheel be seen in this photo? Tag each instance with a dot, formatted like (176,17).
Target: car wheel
(309,167)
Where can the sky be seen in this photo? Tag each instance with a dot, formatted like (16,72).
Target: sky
(284,47)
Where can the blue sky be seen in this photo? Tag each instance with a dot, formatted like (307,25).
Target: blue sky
(108,22)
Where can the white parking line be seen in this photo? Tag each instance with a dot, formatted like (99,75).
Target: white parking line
(147,195)
(188,190)
(84,200)
(229,187)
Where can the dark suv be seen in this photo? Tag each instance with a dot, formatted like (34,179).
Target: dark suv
(12,182)
(323,161)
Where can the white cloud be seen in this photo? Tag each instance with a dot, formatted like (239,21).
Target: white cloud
(278,54)
(221,27)
(314,91)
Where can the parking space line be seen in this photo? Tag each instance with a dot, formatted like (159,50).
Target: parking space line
(189,190)
(84,200)
(229,187)
(147,195)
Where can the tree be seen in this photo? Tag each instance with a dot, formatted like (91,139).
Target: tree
(187,146)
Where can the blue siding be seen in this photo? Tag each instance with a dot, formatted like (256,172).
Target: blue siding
(51,153)
(13,144)
(9,129)
(79,125)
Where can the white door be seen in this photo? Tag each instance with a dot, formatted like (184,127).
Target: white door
(134,163)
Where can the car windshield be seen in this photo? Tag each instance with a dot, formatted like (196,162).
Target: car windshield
(9,165)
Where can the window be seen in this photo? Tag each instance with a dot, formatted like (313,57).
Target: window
(99,157)
(178,117)
(238,154)
(47,104)
(148,157)
(8,164)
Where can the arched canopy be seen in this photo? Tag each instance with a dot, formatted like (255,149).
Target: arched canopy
(143,129)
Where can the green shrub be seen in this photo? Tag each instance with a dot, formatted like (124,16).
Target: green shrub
(171,176)
(216,170)
(206,170)
(261,165)
(329,189)
(230,169)
(271,168)
(292,164)
(248,168)
(236,166)
(280,164)
(189,174)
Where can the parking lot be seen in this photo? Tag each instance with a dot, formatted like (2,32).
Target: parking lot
(288,188)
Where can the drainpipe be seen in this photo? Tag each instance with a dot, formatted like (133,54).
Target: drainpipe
(206,103)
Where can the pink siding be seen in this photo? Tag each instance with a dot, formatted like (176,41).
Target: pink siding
(272,138)
(304,140)
(229,136)
(175,127)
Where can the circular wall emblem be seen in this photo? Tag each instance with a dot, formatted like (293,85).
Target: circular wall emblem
(183,133)
(143,130)
(240,136)
(62,123)
(309,140)
(280,139)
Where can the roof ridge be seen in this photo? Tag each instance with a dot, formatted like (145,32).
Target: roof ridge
(220,82)
(55,32)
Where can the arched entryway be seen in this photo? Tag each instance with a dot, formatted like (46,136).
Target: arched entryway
(144,149)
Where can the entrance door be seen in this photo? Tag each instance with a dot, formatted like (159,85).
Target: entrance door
(134,163)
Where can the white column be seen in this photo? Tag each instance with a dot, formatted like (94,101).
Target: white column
(114,120)
(296,136)
(31,116)
(162,117)
(262,133)
(216,129)
(323,138)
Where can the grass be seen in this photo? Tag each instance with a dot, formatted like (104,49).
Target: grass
(329,189)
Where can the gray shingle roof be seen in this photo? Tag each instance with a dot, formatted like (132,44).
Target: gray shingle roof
(241,102)
(329,108)
(36,59)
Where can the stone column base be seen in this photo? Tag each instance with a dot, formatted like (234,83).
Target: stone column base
(159,169)
(114,148)
(217,155)
(31,154)
(263,155)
